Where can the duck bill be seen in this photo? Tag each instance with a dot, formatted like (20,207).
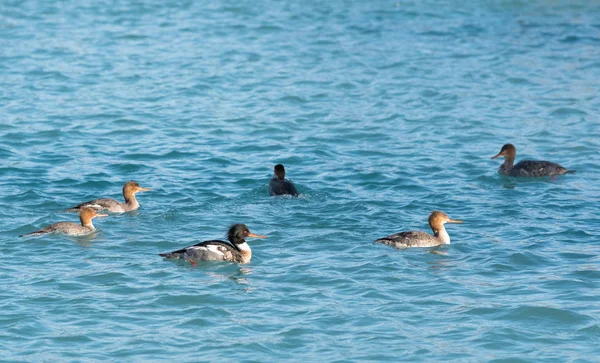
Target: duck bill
(454,221)
(256,235)
(101,215)
(144,189)
(498,155)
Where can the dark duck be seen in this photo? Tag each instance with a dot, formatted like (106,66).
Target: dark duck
(527,168)
(279,185)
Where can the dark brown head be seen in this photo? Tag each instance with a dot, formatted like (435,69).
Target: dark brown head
(509,151)
(239,232)
(131,187)
(279,171)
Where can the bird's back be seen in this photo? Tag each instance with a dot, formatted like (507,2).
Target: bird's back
(282,187)
(537,168)
(206,251)
(100,204)
(410,239)
(69,228)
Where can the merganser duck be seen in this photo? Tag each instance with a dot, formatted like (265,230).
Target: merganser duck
(437,219)
(527,168)
(215,250)
(111,205)
(279,185)
(69,228)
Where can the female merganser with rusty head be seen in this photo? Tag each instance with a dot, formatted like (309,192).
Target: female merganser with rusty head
(236,251)
(72,229)
(111,205)
(422,239)
(525,168)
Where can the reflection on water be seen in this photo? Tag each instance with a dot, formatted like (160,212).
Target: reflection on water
(441,263)
(86,240)
(237,275)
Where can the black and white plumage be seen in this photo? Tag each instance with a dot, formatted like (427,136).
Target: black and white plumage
(70,228)
(236,250)
(527,168)
(437,219)
(111,205)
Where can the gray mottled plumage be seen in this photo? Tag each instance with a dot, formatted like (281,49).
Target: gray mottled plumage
(410,239)
(72,229)
(108,204)
(111,205)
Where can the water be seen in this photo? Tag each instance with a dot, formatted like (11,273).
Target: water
(380,111)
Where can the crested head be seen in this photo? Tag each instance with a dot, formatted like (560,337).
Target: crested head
(87,214)
(132,187)
(438,218)
(509,151)
(239,232)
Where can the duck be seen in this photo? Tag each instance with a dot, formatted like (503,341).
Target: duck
(279,185)
(527,168)
(409,239)
(70,228)
(129,190)
(236,250)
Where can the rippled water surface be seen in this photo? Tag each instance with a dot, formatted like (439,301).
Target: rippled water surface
(381,112)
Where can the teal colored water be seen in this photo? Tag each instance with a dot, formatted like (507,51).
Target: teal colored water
(381,112)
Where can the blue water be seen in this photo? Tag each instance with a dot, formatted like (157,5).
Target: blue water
(381,112)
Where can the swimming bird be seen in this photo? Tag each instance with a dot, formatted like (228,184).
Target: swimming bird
(437,219)
(279,185)
(527,168)
(111,205)
(69,228)
(215,250)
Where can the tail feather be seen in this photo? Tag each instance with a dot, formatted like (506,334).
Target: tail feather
(170,255)
(569,171)
(36,233)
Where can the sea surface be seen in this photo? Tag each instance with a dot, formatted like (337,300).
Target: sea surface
(381,112)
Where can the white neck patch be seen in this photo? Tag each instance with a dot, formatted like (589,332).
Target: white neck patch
(243,247)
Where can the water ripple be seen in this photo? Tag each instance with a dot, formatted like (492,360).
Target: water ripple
(381,112)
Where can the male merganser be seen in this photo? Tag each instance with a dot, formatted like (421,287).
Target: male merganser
(72,229)
(422,239)
(236,251)
(111,205)
(532,168)
(279,185)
